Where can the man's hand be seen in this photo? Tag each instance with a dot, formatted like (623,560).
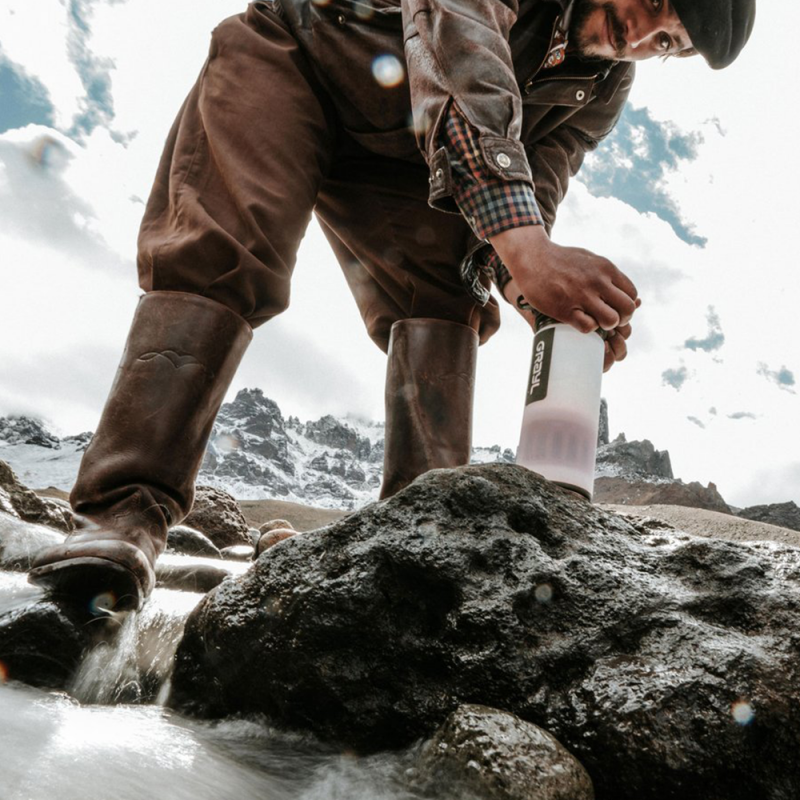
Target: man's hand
(616,347)
(569,284)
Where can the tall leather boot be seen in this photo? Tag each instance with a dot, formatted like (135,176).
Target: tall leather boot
(137,476)
(430,382)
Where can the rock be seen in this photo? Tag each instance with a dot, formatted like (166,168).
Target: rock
(632,460)
(330,432)
(645,493)
(20,541)
(326,487)
(786,515)
(80,440)
(190,542)
(254,424)
(42,643)
(27,505)
(216,514)
(668,664)
(271,538)
(24,430)
(190,577)
(238,552)
(275,523)
(495,755)
(602,428)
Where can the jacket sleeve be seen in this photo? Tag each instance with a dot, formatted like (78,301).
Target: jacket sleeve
(489,204)
(457,50)
(557,157)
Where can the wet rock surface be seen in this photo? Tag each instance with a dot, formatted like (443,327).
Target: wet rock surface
(191,542)
(42,642)
(494,755)
(190,577)
(217,515)
(666,663)
(238,552)
(20,542)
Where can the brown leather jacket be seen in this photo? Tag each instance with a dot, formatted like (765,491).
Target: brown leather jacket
(535,124)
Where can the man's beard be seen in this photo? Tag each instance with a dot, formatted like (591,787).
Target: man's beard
(585,43)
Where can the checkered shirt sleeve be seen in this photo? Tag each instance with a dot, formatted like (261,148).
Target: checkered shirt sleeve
(489,203)
(496,268)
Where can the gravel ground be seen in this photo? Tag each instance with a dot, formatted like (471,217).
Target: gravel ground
(700,522)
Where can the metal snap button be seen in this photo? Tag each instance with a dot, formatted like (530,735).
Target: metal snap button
(503,160)
(580,94)
(341,19)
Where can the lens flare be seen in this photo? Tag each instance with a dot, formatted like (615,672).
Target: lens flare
(388,71)
(364,9)
(543,593)
(103,604)
(742,712)
(227,443)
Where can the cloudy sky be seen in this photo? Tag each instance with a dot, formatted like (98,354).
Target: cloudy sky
(692,196)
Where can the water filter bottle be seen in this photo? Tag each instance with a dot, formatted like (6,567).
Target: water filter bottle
(562,405)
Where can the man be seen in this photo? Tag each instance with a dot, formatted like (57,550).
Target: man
(378,115)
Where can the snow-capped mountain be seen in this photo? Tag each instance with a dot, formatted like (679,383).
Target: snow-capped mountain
(254,453)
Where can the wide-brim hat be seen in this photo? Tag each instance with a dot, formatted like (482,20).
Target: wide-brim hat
(718,29)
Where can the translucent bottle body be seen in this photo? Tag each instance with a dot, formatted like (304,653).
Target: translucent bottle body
(562,407)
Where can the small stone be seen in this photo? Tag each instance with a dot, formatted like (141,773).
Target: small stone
(275,523)
(495,755)
(271,538)
(217,514)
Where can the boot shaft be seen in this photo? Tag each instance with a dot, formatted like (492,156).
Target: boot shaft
(430,384)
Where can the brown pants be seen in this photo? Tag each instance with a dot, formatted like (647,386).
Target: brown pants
(256,148)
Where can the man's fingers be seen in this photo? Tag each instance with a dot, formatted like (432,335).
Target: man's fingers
(618,346)
(621,303)
(582,321)
(606,316)
(624,331)
(623,282)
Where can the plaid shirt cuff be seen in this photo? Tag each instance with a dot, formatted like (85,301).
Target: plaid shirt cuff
(491,263)
(490,204)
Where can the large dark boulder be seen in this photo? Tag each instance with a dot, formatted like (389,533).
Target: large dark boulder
(667,664)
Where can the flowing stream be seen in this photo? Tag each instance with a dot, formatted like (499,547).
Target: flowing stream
(110,737)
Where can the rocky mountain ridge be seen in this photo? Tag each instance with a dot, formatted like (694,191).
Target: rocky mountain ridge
(256,453)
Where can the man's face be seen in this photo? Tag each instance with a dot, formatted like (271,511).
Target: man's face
(627,30)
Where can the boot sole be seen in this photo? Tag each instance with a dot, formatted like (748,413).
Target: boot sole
(101,584)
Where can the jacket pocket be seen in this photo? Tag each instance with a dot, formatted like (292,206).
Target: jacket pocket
(357,52)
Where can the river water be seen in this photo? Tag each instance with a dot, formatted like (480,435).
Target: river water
(109,736)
